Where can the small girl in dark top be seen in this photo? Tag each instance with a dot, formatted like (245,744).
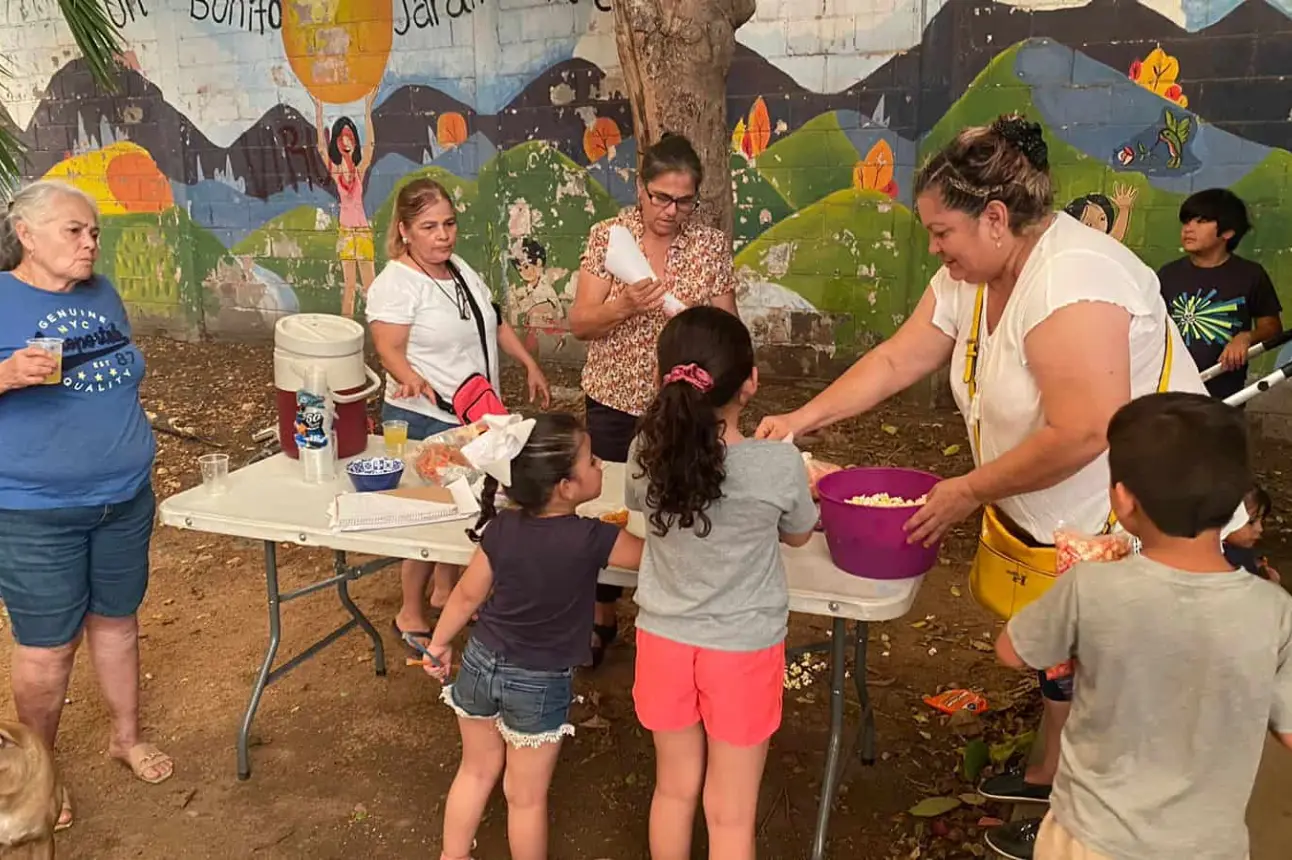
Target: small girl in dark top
(1240,546)
(533,580)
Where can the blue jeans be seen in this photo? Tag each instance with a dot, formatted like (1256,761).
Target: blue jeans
(531,707)
(419,426)
(58,565)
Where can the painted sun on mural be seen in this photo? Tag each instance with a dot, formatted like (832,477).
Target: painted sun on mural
(249,171)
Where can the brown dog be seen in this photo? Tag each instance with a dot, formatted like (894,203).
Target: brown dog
(28,797)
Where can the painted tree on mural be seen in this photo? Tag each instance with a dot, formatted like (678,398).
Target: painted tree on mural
(100,43)
(675,56)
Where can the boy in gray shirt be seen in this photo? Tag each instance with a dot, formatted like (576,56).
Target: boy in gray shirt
(1184,662)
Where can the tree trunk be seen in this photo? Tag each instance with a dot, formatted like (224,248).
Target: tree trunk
(675,56)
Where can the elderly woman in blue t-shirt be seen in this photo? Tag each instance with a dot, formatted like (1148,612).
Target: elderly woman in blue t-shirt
(76,498)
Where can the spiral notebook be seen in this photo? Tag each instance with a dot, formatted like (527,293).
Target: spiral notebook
(414,506)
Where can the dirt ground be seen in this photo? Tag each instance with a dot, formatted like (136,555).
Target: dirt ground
(347,764)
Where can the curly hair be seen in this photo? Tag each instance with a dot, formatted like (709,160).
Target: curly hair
(680,449)
(1006,161)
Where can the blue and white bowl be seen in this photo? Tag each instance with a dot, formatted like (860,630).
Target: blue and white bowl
(373,474)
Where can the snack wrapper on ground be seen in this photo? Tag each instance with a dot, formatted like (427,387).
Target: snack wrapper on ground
(439,460)
(1071,547)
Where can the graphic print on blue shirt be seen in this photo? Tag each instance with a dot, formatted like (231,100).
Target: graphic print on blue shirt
(93,339)
(87,440)
(1204,317)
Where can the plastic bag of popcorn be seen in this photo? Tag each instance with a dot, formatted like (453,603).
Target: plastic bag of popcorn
(1072,546)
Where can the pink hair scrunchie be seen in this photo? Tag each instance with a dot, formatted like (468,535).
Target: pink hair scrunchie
(693,375)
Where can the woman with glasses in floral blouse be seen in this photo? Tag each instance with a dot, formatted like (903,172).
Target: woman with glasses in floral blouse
(621,322)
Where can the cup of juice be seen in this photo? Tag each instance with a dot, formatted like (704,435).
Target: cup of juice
(53,346)
(395,435)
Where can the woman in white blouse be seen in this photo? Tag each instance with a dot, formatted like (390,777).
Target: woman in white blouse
(427,311)
(1049,327)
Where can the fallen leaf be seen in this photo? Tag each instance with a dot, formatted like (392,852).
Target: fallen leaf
(977,756)
(950,450)
(955,591)
(988,821)
(972,798)
(1004,751)
(932,807)
(920,624)
(965,722)
(890,429)
(979,645)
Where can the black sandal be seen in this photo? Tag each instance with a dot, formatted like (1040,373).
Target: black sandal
(423,635)
(606,635)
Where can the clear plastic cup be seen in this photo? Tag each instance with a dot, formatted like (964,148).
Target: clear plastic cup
(53,346)
(215,472)
(395,435)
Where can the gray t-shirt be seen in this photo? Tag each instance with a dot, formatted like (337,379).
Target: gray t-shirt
(726,591)
(1179,677)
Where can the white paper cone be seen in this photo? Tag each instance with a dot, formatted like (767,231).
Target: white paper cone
(624,259)
(673,305)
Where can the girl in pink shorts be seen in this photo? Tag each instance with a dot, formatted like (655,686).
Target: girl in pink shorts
(712,597)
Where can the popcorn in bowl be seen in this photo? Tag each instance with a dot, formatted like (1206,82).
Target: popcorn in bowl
(884,500)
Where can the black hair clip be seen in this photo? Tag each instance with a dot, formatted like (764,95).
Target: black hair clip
(1026,137)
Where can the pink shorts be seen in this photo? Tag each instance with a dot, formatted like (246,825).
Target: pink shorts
(737,694)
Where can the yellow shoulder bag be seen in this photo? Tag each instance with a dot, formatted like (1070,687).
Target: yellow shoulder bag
(1008,571)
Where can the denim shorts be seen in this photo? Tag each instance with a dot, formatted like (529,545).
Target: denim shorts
(531,707)
(58,565)
(419,426)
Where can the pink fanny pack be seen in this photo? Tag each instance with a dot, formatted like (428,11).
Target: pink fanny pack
(475,399)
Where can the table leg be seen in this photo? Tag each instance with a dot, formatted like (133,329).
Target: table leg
(866,733)
(343,593)
(262,679)
(830,781)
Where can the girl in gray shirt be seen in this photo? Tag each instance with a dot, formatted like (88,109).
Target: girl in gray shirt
(712,595)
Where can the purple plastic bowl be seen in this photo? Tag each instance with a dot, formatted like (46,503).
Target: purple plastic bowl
(869,542)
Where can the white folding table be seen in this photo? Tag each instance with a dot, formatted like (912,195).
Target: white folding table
(269,501)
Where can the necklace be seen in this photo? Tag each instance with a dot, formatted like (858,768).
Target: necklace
(458,298)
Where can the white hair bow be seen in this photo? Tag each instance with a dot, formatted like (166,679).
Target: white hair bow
(493,451)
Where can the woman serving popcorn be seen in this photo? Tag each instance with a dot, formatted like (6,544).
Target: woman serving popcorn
(1049,327)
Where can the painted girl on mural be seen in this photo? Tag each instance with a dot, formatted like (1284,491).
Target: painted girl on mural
(1111,216)
(348,161)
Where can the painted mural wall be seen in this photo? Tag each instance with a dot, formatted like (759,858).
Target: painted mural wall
(247,167)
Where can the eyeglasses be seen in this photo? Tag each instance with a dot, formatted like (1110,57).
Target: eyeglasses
(663,201)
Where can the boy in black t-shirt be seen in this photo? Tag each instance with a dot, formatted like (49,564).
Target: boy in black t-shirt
(1222,303)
